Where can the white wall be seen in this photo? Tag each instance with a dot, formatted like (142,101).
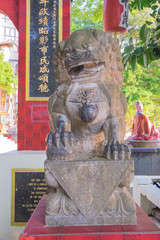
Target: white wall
(8,161)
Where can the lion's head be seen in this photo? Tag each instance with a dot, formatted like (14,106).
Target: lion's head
(88,55)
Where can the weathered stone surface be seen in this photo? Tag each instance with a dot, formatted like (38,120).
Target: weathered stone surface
(95,188)
(88,168)
(80,220)
(88,99)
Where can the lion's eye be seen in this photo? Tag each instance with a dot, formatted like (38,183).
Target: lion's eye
(91,48)
(68,54)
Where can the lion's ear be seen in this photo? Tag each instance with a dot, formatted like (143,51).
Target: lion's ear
(61,45)
(95,34)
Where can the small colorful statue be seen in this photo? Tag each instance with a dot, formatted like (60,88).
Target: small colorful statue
(143,129)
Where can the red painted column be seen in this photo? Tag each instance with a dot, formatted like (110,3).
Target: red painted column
(66,19)
(11,9)
(33,121)
(21,75)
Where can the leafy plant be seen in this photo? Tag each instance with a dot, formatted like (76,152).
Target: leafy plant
(141,42)
(143,85)
(86,14)
(146,48)
(8,80)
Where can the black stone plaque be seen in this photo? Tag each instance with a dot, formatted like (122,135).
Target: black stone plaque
(44,29)
(28,188)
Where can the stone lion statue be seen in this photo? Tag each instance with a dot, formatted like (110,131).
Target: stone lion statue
(87,127)
(87,111)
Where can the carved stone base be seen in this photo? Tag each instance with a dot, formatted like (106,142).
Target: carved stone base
(54,221)
(89,192)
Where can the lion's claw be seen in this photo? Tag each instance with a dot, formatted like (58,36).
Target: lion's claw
(117,151)
(59,143)
(56,138)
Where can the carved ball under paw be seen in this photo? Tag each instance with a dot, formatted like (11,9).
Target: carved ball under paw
(88,113)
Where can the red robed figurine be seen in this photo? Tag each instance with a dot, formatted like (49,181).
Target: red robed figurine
(143,129)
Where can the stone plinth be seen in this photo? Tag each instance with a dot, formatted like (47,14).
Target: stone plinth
(89,192)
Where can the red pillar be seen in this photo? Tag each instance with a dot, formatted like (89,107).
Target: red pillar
(11,9)
(33,121)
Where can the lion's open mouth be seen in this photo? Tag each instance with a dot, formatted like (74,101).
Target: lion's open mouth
(87,69)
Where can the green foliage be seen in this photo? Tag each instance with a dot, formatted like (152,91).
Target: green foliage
(143,85)
(86,14)
(140,4)
(141,43)
(7,77)
(79,23)
(144,47)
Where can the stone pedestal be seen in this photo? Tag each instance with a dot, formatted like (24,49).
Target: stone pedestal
(89,192)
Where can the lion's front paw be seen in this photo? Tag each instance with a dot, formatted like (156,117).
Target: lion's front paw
(59,145)
(117,151)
